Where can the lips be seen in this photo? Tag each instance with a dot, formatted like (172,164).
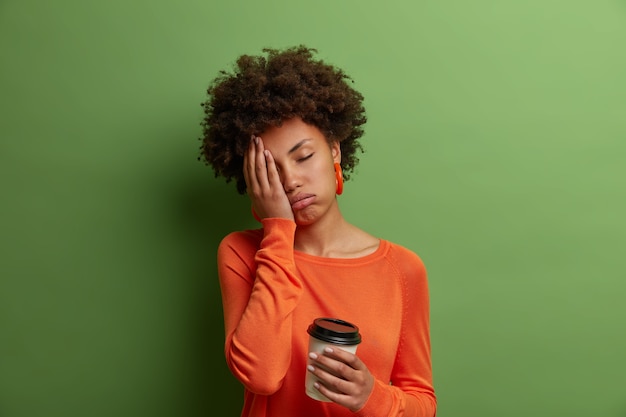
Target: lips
(302,200)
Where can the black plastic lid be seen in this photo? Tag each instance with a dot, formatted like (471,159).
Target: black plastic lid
(334,331)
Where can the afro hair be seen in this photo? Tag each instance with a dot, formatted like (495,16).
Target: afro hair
(263,91)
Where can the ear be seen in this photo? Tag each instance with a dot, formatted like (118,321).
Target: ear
(335,151)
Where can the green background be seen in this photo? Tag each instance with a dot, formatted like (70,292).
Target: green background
(495,149)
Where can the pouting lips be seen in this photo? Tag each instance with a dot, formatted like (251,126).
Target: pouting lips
(300,201)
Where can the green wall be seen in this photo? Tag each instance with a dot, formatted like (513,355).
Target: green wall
(495,149)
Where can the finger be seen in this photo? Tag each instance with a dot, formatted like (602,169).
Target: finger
(349,393)
(246,170)
(272,170)
(348,401)
(339,370)
(330,381)
(260,168)
(343,377)
(249,165)
(334,396)
(339,391)
(344,356)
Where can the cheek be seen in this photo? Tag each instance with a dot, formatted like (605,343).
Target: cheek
(322,173)
(329,177)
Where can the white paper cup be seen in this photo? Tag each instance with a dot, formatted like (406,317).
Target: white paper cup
(328,332)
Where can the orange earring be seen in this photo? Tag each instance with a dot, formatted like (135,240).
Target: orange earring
(339,178)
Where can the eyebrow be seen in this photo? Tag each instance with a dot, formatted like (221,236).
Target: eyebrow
(298,145)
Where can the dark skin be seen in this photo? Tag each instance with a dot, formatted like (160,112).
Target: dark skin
(344,378)
(282,166)
(264,90)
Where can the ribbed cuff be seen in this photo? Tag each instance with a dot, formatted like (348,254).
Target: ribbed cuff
(378,403)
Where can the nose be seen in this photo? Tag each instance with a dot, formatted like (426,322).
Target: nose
(289,179)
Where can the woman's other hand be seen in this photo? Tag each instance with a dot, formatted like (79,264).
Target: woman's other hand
(263,182)
(343,377)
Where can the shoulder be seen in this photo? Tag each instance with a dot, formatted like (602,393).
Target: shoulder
(413,277)
(407,262)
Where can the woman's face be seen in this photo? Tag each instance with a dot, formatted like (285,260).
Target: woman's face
(305,163)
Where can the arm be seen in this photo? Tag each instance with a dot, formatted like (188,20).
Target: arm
(259,297)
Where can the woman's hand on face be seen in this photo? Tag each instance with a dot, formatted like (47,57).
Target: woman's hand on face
(264,187)
(343,378)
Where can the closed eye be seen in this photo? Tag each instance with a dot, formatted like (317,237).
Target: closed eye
(305,158)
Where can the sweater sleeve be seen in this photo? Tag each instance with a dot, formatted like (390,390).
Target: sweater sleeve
(410,392)
(258,299)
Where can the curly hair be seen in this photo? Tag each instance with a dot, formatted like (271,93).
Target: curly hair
(263,92)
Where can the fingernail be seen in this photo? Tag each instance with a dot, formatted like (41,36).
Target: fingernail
(313,355)
(328,350)
(256,140)
(310,368)
(316,385)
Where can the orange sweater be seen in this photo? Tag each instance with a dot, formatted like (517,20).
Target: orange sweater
(271,294)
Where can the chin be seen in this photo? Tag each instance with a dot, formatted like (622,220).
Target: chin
(304,222)
(305,218)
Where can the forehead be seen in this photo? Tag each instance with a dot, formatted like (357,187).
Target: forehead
(291,132)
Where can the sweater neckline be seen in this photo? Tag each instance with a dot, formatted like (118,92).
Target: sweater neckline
(383,246)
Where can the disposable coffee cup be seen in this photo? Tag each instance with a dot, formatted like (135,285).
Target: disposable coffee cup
(329,332)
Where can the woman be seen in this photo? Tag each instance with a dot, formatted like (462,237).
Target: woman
(286,126)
